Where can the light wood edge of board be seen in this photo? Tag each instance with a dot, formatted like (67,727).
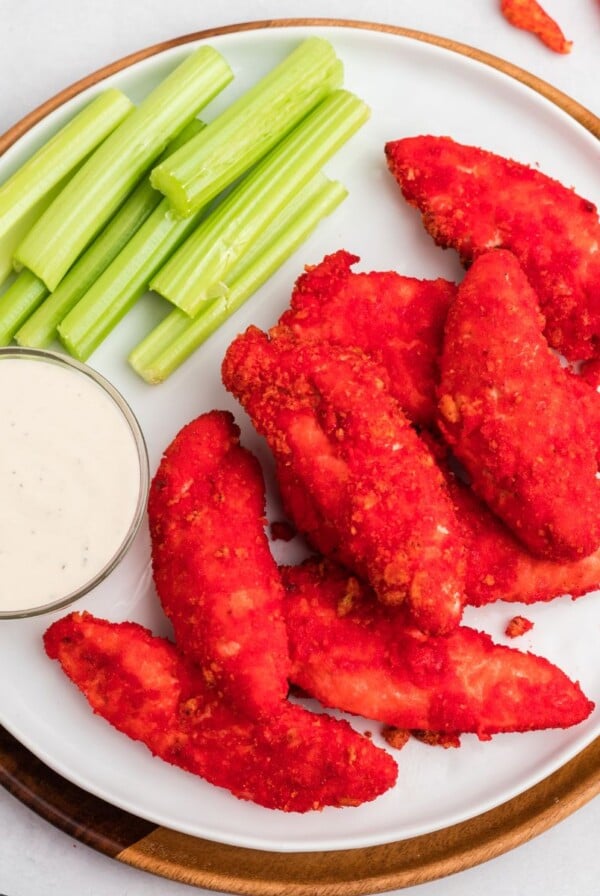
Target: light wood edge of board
(372,869)
(404,863)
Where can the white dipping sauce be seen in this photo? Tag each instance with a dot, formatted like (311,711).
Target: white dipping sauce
(69,481)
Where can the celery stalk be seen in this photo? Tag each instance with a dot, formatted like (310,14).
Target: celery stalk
(249,127)
(16,304)
(197,272)
(123,282)
(170,343)
(15,235)
(97,190)
(60,155)
(39,329)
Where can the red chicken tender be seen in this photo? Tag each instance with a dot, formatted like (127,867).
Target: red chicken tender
(473,200)
(295,761)
(214,573)
(333,426)
(588,404)
(499,566)
(507,410)
(396,320)
(351,652)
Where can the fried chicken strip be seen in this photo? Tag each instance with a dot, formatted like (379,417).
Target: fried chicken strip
(587,401)
(214,573)
(507,411)
(499,567)
(351,652)
(398,321)
(473,200)
(333,426)
(295,761)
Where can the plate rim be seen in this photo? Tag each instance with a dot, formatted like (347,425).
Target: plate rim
(237,870)
(573,108)
(392,865)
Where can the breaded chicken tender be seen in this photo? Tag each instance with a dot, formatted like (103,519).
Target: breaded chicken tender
(587,400)
(499,566)
(295,761)
(398,321)
(334,427)
(507,411)
(213,570)
(473,200)
(351,652)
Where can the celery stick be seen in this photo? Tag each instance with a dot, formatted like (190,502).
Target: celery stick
(197,272)
(123,282)
(60,155)
(40,328)
(176,337)
(14,236)
(249,127)
(98,189)
(128,277)
(16,304)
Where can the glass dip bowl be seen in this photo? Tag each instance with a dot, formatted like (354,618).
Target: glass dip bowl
(74,480)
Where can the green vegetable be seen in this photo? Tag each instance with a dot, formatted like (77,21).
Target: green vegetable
(60,155)
(40,328)
(176,337)
(123,282)
(97,190)
(19,230)
(249,127)
(16,304)
(128,277)
(196,273)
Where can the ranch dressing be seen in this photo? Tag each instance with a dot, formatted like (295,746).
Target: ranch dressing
(70,480)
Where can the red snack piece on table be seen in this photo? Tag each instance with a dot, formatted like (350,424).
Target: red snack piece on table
(530,16)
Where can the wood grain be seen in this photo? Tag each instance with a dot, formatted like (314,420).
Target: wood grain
(68,807)
(376,869)
(230,869)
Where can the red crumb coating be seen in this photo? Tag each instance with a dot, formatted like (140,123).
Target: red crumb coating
(397,738)
(438,739)
(587,398)
(333,426)
(590,372)
(529,15)
(518,626)
(351,652)
(472,200)
(214,573)
(507,411)
(396,320)
(281,530)
(499,566)
(295,761)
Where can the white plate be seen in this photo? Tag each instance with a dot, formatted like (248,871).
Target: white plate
(412,88)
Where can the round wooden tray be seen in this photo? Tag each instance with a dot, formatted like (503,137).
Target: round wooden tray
(140,843)
(233,870)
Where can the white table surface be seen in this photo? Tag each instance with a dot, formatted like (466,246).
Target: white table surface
(47,45)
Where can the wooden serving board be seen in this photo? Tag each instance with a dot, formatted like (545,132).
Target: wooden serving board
(233,870)
(215,866)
